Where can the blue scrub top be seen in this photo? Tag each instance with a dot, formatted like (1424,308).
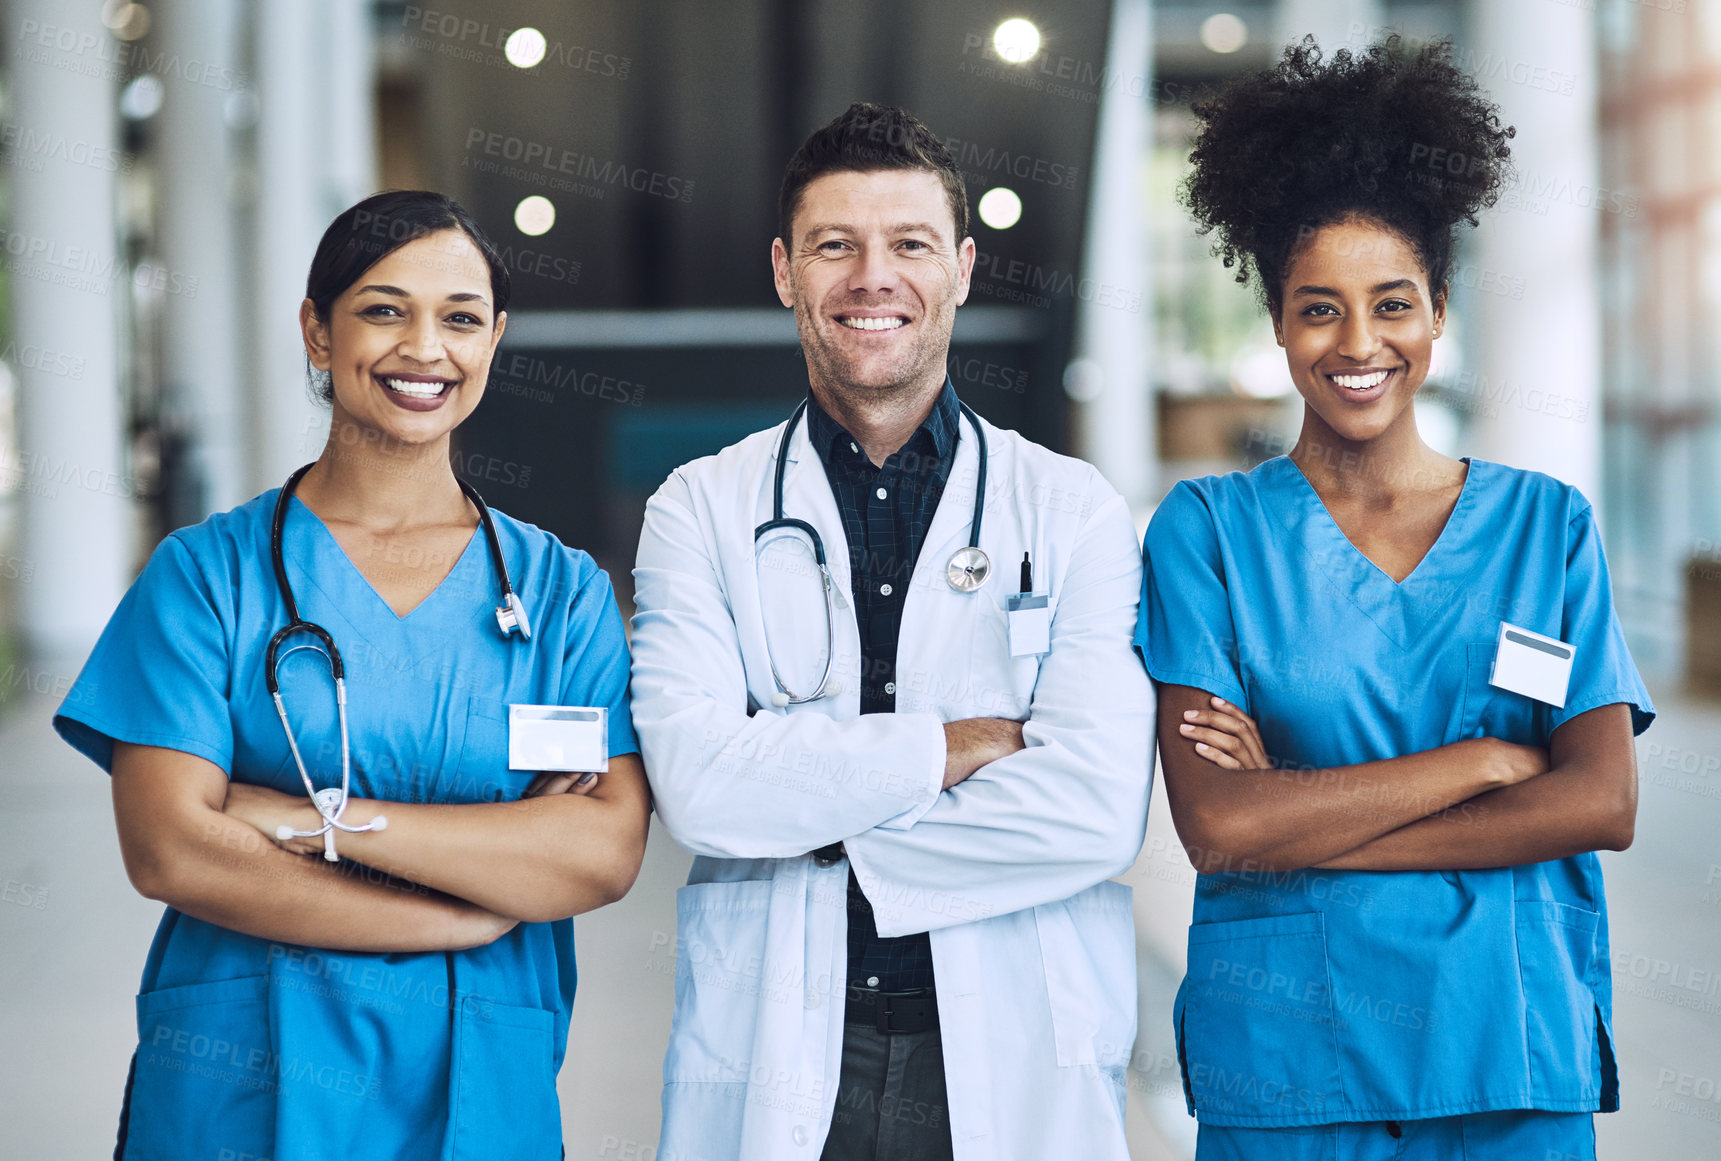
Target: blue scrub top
(249,1047)
(1315,996)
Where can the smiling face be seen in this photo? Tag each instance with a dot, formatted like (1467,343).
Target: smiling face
(408,345)
(875,275)
(1358,322)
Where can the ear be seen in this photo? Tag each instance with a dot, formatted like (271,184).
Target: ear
(1277,314)
(316,336)
(965,254)
(780,273)
(496,334)
(1440,309)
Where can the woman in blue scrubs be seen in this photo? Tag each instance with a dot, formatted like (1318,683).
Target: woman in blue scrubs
(411,999)
(1396,706)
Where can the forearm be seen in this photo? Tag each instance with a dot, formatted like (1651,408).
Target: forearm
(535,860)
(1281,819)
(226,872)
(1034,827)
(542,858)
(1587,802)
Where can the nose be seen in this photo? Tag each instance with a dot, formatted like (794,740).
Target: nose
(875,271)
(422,342)
(1358,340)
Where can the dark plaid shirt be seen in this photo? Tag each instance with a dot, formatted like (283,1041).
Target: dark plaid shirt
(886,511)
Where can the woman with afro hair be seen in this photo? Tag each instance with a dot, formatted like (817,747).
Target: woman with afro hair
(1396,709)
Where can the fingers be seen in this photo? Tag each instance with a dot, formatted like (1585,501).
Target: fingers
(560,782)
(1227,720)
(1217,757)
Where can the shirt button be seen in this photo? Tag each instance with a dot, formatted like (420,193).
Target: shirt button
(853,446)
(890,687)
(800,1134)
(872,981)
(884,590)
(881,493)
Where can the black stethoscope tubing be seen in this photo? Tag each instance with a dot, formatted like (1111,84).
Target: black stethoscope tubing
(778,520)
(297,624)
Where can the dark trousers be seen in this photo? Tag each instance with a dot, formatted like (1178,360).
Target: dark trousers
(890,1101)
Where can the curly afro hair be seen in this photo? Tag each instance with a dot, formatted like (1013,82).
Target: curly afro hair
(1410,142)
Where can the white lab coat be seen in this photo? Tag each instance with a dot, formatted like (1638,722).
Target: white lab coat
(1033,947)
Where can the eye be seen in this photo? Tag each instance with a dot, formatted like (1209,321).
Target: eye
(1320,310)
(1394,306)
(381,310)
(832,246)
(915,244)
(465,320)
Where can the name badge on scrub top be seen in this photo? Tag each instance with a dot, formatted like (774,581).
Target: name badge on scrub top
(1030,616)
(558,737)
(1533,665)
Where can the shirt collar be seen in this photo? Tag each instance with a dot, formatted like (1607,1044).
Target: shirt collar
(829,438)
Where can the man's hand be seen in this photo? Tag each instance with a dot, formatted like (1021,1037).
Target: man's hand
(972,742)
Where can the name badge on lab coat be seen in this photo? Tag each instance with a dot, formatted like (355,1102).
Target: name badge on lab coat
(558,737)
(1533,665)
(1030,618)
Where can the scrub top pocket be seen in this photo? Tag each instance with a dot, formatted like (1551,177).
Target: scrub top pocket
(206,1074)
(1563,1023)
(1255,1023)
(502,1103)
(482,774)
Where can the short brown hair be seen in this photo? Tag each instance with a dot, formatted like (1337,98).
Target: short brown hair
(863,139)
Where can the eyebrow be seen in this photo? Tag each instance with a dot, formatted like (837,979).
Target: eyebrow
(895,228)
(1377,288)
(397,292)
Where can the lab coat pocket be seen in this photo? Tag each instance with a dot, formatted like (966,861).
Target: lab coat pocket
(721,948)
(206,1074)
(1560,968)
(503,1106)
(1259,1037)
(1087,944)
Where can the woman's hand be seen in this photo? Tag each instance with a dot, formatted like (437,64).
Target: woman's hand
(550,782)
(267,809)
(1225,736)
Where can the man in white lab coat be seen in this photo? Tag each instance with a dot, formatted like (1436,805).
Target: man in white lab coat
(907,794)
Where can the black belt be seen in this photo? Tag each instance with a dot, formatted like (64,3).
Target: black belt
(891,1013)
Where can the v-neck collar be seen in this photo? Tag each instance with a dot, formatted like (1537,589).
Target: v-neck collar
(1391,605)
(356,579)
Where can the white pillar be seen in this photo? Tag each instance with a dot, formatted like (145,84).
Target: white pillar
(68,291)
(1539,354)
(348,43)
(1335,24)
(1111,373)
(291,210)
(202,332)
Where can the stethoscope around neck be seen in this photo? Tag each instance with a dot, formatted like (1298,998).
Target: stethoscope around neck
(331,802)
(966,571)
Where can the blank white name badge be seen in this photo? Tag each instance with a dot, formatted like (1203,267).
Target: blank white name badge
(1030,624)
(558,737)
(1533,665)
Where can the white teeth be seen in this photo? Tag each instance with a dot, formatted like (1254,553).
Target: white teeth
(873,324)
(1361,382)
(415,389)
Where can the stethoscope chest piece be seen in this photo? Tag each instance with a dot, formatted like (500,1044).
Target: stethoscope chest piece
(969,569)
